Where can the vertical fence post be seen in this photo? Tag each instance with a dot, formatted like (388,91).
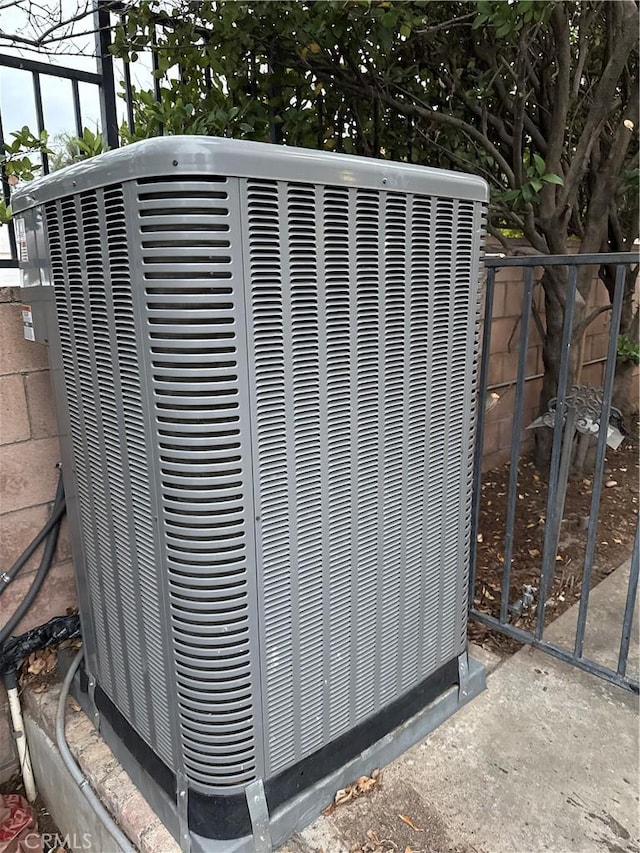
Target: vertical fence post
(6,194)
(156,79)
(479,432)
(275,95)
(128,90)
(632,591)
(598,473)
(108,111)
(566,452)
(515,441)
(37,96)
(77,111)
(548,550)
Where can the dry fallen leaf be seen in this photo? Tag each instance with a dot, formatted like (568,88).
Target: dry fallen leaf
(363,785)
(343,796)
(409,822)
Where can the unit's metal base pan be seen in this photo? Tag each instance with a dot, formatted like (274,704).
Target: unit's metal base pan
(303,809)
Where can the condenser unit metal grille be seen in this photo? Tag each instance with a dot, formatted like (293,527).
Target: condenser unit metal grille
(104,394)
(268,364)
(361,419)
(193,304)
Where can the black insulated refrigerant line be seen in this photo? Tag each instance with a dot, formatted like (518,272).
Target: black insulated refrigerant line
(51,531)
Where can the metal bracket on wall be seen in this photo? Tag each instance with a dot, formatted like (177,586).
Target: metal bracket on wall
(182,793)
(463,677)
(259,814)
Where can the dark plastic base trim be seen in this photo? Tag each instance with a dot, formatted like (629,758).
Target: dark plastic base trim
(226,817)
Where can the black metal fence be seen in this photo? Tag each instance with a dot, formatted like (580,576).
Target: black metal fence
(103,79)
(574,410)
(37,70)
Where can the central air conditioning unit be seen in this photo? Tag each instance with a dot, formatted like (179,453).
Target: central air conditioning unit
(264,365)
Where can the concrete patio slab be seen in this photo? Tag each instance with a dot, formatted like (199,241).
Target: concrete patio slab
(545,759)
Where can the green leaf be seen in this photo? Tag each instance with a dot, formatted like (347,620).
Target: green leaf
(550,178)
(541,167)
(479,20)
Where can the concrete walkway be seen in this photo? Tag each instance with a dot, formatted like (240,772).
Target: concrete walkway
(545,759)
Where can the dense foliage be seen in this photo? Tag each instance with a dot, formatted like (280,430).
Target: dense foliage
(17,161)
(538,96)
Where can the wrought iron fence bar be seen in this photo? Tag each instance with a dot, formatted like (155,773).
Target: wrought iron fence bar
(34,66)
(479,436)
(77,110)
(410,135)
(558,651)
(598,474)
(156,79)
(37,94)
(108,110)
(320,117)
(629,607)
(515,442)
(12,262)
(563,260)
(128,91)
(548,551)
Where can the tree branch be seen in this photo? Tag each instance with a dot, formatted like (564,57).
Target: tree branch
(625,40)
(495,232)
(560,100)
(583,50)
(448,24)
(538,320)
(422,109)
(582,326)
(43,38)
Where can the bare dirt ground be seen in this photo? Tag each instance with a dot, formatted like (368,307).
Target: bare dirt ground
(614,539)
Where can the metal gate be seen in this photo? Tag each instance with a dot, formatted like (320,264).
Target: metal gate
(576,414)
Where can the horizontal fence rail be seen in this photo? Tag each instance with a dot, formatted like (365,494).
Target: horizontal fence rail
(569,407)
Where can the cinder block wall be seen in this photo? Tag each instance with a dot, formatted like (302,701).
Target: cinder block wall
(28,477)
